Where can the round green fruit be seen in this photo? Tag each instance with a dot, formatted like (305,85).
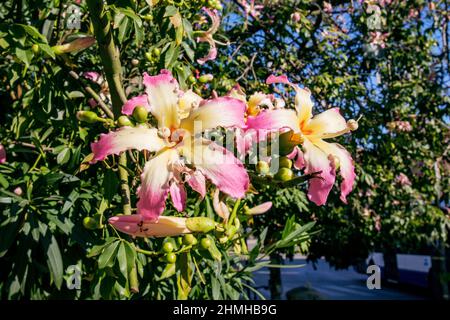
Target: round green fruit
(156,52)
(205,243)
(262,167)
(191,79)
(167,247)
(171,257)
(284,174)
(90,223)
(189,239)
(35,48)
(285,162)
(124,121)
(140,114)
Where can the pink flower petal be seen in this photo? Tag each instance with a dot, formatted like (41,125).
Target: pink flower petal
(126,138)
(197,182)
(299,159)
(2,154)
(178,195)
(274,120)
(163,94)
(277,79)
(155,184)
(260,209)
(129,106)
(317,160)
(220,112)
(221,167)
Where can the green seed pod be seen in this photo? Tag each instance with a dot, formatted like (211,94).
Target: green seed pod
(189,239)
(284,174)
(88,116)
(140,114)
(191,79)
(171,257)
(200,224)
(285,162)
(124,121)
(148,17)
(149,56)
(205,243)
(35,48)
(206,78)
(262,167)
(167,247)
(90,223)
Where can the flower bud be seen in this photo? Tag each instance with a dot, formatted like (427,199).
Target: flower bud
(289,140)
(352,124)
(200,224)
(156,52)
(35,48)
(149,56)
(284,174)
(140,114)
(134,62)
(205,243)
(124,121)
(259,209)
(191,79)
(206,78)
(88,116)
(90,223)
(18,191)
(285,162)
(76,45)
(262,167)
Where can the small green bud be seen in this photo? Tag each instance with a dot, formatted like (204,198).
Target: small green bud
(171,257)
(35,48)
(189,239)
(167,247)
(205,243)
(140,114)
(88,116)
(285,162)
(200,224)
(148,17)
(156,52)
(206,78)
(149,56)
(124,121)
(90,223)
(191,79)
(284,174)
(262,167)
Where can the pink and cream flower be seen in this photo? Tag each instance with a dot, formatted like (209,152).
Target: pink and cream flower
(179,155)
(317,155)
(207,36)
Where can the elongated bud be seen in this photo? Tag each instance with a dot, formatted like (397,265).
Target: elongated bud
(352,124)
(206,78)
(124,121)
(200,224)
(259,209)
(75,45)
(140,114)
(89,117)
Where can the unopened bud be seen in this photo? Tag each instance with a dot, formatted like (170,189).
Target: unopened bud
(206,78)
(35,48)
(134,62)
(88,116)
(18,191)
(140,114)
(262,167)
(200,224)
(124,121)
(76,45)
(259,209)
(352,124)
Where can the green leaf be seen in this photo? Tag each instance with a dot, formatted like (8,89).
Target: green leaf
(108,256)
(54,258)
(8,232)
(168,271)
(122,259)
(63,157)
(96,250)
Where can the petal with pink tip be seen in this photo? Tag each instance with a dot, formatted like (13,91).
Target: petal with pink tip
(197,182)
(298,157)
(277,79)
(2,154)
(221,167)
(129,106)
(260,209)
(327,122)
(274,120)
(178,195)
(317,160)
(126,138)
(162,92)
(220,112)
(155,184)
(346,166)
(137,226)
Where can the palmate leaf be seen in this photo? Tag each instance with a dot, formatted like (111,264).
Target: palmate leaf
(108,255)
